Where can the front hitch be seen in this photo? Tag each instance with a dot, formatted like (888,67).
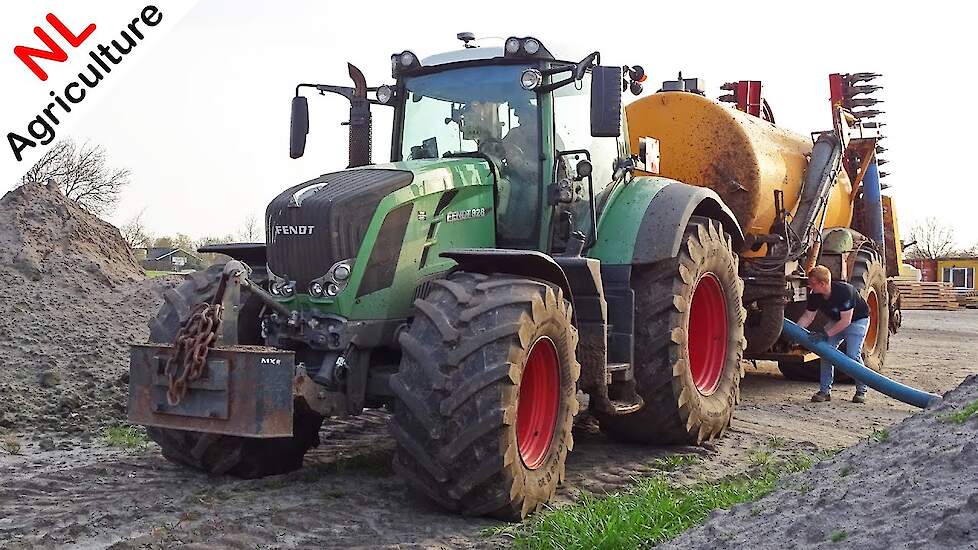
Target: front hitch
(206,382)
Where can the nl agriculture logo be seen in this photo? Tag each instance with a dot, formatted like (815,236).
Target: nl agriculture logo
(57,49)
(56,62)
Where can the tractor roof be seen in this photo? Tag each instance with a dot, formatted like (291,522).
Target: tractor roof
(466,54)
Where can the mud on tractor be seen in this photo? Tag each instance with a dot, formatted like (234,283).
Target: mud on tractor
(516,259)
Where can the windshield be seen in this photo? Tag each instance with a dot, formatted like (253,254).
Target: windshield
(482,109)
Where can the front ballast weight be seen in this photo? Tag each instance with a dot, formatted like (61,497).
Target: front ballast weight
(206,382)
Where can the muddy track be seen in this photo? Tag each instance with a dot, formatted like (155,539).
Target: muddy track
(85,494)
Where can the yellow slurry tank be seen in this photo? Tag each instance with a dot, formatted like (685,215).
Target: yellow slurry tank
(743,158)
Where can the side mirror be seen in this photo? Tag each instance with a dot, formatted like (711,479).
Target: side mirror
(300,126)
(605,101)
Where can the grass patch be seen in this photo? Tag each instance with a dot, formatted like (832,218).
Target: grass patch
(880,435)
(651,512)
(671,462)
(838,536)
(960,417)
(154,274)
(10,444)
(758,457)
(775,442)
(131,438)
(845,471)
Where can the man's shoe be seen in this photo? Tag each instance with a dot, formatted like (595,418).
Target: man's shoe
(859,398)
(820,397)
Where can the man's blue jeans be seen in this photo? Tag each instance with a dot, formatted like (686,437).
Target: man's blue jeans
(854,335)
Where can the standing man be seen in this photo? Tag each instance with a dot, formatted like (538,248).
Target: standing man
(848,316)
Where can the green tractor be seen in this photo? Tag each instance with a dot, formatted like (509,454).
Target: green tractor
(506,272)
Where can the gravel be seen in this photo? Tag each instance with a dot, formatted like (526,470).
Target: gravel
(72,298)
(912,486)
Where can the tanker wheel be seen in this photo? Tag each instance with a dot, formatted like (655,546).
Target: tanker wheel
(689,342)
(486,394)
(869,278)
(224,454)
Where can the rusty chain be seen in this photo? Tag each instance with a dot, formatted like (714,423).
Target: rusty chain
(189,355)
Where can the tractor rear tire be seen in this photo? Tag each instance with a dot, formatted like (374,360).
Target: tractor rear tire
(486,394)
(689,342)
(244,457)
(869,278)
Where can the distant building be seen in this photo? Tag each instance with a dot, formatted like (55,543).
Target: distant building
(169,259)
(957,270)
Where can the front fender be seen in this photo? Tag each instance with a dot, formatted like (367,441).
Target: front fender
(522,263)
(645,221)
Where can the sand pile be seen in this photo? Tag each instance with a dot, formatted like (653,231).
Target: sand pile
(71,300)
(915,486)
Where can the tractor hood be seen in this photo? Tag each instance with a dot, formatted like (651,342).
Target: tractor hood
(315,224)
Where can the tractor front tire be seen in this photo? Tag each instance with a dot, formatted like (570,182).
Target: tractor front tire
(224,454)
(689,342)
(486,394)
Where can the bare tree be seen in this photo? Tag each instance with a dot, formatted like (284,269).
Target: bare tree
(134,231)
(82,174)
(931,239)
(251,230)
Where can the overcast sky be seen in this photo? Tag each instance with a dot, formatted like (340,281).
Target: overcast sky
(203,121)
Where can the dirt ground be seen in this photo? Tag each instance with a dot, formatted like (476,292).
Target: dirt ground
(89,495)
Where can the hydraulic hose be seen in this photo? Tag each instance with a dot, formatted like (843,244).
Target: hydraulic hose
(873,203)
(817,183)
(873,379)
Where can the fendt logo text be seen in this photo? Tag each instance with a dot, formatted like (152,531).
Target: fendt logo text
(294,229)
(103,57)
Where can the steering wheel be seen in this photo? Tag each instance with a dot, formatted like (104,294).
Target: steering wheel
(496,150)
(508,156)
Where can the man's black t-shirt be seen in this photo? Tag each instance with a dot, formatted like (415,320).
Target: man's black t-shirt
(843,298)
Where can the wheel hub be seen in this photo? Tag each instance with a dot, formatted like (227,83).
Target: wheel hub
(539,396)
(707,334)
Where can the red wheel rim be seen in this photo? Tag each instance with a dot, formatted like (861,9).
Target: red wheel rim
(869,346)
(707,334)
(536,414)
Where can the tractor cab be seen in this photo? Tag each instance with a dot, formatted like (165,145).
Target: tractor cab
(550,129)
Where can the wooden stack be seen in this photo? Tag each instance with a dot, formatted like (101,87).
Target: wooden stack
(967,298)
(926,295)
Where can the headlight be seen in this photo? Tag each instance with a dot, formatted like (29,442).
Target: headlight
(334,281)
(531,79)
(316,289)
(512,45)
(280,287)
(385,94)
(408,58)
(531,46)
(341,272)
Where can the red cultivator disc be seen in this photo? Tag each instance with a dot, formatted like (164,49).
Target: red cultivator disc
(707,338)
(536,415)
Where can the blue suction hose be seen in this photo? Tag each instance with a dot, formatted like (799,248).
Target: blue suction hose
(873,379)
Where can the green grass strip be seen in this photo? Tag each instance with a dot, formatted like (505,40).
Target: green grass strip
(651,512)
(964,414)
(125,436)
